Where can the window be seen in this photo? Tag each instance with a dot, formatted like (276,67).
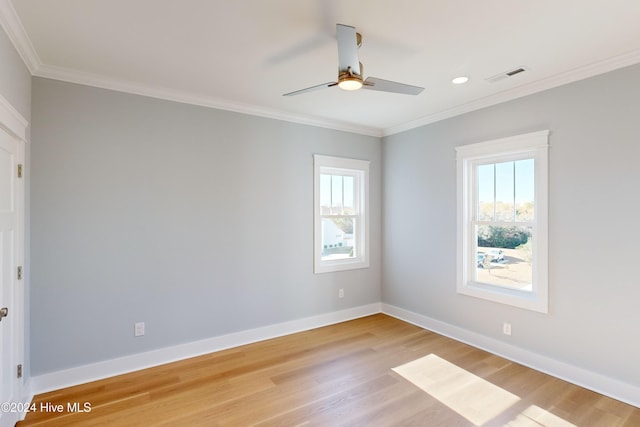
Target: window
(502,220)
(341,235)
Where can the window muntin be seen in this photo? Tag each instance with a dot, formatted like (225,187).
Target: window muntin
(341,227)
(504,224)
(339,207)
(502,220)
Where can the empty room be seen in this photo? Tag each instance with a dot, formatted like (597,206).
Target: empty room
(319,213)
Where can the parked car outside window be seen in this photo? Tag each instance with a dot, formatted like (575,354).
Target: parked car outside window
(498,254)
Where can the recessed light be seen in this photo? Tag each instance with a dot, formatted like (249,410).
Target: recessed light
(460,80)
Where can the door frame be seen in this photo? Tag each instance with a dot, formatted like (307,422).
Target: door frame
(13,123)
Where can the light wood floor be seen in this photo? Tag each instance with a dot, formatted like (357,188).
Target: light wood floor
(337,375)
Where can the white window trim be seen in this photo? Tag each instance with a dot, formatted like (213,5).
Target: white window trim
(534,145)
(320,163)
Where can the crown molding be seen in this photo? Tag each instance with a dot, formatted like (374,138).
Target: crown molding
(17,34)
(590,70)
(89,79)
(104,82)
(15,31)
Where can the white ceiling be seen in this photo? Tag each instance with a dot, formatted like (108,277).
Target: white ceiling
(242,55)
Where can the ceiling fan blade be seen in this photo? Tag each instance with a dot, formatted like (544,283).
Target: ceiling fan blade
(347,49)
(300,49)
(325,34)
(373,83)
(310,89)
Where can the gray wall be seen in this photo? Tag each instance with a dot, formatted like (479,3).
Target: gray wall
(15,79)
(195,221)
(199,222)
(593,223)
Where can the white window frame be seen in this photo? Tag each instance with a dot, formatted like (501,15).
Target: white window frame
(532,145)
(338,165)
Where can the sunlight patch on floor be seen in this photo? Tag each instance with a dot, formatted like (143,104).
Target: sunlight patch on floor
(535,416)
(472,397)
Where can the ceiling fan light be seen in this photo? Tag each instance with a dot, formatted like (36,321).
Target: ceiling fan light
(350,84)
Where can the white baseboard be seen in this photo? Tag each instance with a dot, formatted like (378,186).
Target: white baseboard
(616,389)
(135,362)
(27,396)
(611,387)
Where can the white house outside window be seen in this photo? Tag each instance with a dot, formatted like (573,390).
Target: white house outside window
(341,206)
(502,220)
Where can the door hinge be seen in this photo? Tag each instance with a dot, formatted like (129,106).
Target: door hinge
(19,371)
(19,272)
(19,171)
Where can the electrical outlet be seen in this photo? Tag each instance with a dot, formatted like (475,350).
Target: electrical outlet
(138,329)
(506,328)
(340,293)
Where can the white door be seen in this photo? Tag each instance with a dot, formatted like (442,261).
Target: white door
(11,293)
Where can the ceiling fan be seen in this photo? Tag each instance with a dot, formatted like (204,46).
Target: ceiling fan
(350,69)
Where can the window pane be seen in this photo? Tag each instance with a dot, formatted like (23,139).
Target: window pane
(338,238)
(504,192)
(524,190)
(485,192)
(325,194)
(349,195)
(336,194)
(504,256)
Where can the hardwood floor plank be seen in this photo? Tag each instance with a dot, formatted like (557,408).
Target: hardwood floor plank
(331,408)
(337,375)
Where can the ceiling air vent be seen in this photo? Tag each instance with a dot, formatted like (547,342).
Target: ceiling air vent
(506,74)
